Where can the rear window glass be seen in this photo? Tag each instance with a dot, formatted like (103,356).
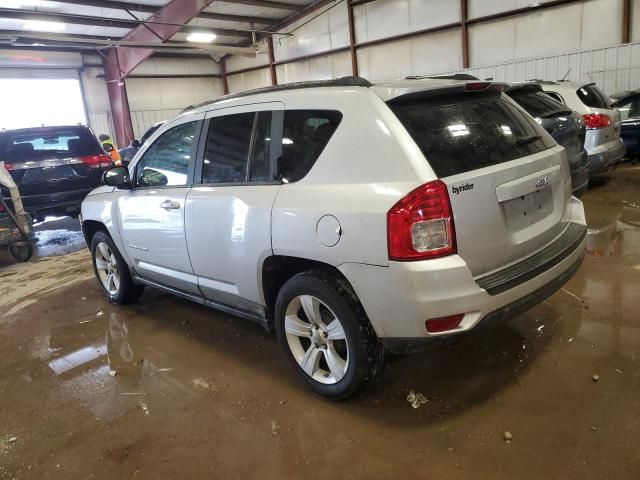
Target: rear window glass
(51,144)
(537,104)
(592,97)
(304,137)
(463,132)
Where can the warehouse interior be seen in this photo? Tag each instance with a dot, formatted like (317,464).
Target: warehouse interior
(165,387)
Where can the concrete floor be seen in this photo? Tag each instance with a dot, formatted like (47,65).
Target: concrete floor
(169,389)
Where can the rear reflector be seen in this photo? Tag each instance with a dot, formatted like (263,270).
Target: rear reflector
(476,86)
(97,161)
(420,225)
(596,120)
(443,324)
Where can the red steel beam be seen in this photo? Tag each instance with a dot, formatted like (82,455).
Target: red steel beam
(272,61)
(223,74)
(120,61)
(118,99)
(464,16)
(352,38)
(626,21)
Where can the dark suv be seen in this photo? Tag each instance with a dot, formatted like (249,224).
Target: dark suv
(54,167)
(565,126)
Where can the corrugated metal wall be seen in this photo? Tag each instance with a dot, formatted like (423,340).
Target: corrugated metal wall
(613,68)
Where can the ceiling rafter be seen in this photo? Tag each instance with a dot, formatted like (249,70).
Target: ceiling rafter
(267,4)
(110,22)
(139,7)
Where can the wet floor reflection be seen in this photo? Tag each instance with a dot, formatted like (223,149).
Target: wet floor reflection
(170,388)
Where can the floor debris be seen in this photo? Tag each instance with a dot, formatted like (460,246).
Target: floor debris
(113,373)
(416,399)
(596,378)
(144,408)
(573,295)
(13,439)
(507,436)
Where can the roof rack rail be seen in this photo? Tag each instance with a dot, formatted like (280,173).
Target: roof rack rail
(336,82)
(455,76)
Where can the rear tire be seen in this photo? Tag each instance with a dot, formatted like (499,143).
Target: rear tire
(333,348)
(112,272)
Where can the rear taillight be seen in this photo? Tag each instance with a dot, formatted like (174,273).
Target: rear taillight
(420,225)
(443,324)
(97,161)
(596,120)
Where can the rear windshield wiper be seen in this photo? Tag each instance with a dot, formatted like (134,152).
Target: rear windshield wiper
(527,140)
(556,113)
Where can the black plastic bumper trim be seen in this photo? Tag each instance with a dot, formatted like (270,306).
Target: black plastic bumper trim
(538,263)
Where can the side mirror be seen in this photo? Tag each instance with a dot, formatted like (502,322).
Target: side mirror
(117,177)
(136,143)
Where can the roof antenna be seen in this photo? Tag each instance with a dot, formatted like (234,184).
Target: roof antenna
(566,75)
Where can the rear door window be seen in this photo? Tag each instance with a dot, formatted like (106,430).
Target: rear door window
(305,135)
(593,97)
(462,132)
(238,149)
(537,104)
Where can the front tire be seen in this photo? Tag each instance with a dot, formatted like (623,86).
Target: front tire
(326,335)
(112,272)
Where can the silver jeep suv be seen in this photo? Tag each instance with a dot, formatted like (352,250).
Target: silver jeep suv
(351,218)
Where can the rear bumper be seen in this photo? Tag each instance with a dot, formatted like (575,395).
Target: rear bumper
(605,156)
(59,201)
(417,291)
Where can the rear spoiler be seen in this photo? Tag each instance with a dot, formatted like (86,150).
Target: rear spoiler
(450,89)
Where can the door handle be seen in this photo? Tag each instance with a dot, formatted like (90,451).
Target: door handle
(170,205)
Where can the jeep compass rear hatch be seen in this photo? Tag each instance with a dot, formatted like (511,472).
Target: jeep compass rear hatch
(507,180)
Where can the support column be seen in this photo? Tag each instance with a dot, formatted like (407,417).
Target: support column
(352,39)
(626,21)
(223,73)
(464,32)
(272,61)
(118,99)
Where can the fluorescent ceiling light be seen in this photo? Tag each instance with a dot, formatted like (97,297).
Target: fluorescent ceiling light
(40,26)
(201,37)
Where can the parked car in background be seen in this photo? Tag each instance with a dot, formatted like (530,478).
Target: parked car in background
(53,167)
(127,153)
(602,142)
(563,124)
(628,104)
(351,218)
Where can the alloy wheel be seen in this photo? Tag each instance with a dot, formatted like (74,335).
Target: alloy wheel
(316,339)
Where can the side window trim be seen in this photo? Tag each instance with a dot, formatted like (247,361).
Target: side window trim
(275,152)
(252,146)
(133,169)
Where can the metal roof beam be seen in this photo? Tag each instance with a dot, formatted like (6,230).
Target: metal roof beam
(267,4)
(138,7)
(152,22)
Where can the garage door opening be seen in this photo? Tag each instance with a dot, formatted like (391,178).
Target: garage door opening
(40,102)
